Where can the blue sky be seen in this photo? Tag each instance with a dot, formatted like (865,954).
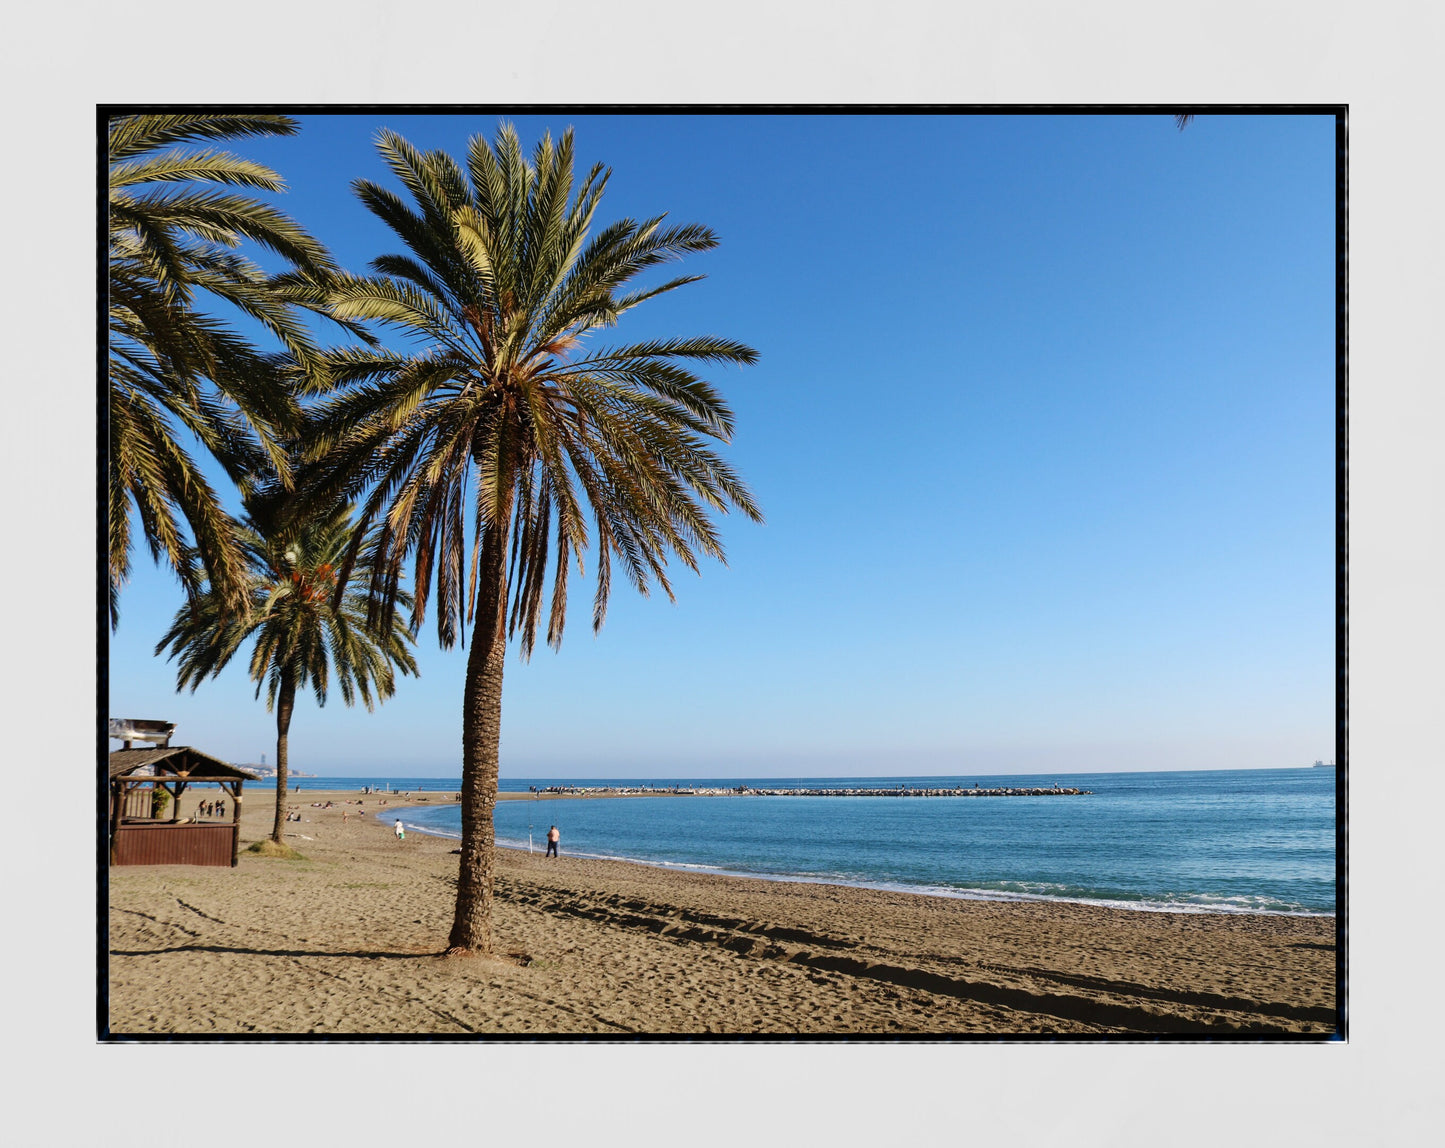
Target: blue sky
(1043,427)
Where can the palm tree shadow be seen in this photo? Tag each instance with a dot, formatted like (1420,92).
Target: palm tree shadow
(360,954)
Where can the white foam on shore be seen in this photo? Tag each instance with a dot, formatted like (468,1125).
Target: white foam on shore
(1205,904)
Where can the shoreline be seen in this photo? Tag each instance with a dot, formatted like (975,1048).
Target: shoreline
(907,890)
(346,941)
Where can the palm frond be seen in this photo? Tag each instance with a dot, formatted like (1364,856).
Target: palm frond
(506,426)
(173,226)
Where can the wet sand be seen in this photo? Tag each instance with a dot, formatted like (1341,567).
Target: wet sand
(346,942)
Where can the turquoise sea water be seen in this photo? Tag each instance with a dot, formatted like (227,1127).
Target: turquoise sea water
(1259,841)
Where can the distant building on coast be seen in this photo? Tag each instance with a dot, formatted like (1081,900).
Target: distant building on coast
(269,771)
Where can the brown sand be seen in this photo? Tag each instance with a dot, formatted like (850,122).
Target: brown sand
(345,941)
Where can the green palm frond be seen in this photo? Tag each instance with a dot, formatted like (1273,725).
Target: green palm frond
(297,629)
(194,167)
(131,135)
(173,225)
(507,421)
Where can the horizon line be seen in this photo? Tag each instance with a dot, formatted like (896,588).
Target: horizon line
(747,776)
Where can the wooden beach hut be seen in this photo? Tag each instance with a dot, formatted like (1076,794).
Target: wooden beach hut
(145,827)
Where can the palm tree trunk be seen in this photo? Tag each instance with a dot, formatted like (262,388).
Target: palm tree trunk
(481,740)
(285,703)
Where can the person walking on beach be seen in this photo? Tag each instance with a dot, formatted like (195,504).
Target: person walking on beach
(400,832)
(552,838)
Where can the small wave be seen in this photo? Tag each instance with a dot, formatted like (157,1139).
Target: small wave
(521,847)
(1202,903)
(429,831)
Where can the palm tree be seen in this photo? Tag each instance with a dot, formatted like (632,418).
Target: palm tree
(303,634)
(172,230)
(506,415)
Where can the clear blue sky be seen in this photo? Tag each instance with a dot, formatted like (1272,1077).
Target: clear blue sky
(1043,427)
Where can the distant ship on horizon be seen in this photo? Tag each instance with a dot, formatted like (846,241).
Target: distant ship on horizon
(1323,765)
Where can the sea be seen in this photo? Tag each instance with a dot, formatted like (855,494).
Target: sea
(1206,841)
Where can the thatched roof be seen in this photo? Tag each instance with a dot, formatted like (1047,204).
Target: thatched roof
(175,759)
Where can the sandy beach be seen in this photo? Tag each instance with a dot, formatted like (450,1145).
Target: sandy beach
(346,942)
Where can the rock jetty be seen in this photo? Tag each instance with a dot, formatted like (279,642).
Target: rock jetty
(755,791)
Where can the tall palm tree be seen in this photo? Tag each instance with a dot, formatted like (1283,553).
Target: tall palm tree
(303,635)
(173,226)
(506,415)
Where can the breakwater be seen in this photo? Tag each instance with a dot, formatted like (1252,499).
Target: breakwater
(804,791)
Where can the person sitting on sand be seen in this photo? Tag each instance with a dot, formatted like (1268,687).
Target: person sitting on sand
(552,838)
